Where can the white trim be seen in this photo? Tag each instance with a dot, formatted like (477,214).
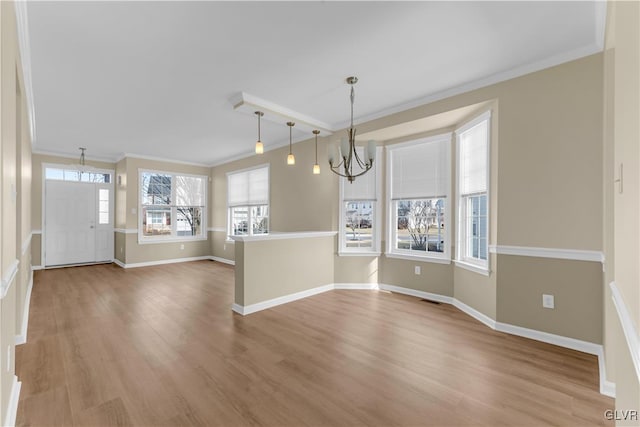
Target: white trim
(416,293)
(479,83)
(630,333)
(158,159)
(22,23)
(472,267)
(177,239)
(284,236)
(12,409)
(274,113)
(222,260)
(364,254)
(37,267)
(160,262)
(355,286)
(73,157)
(559,340)
(36,231)
(481,317)
(573,254)
(22,338)
(608,388)
(126,230)
(248,309)
(26,243)
(9,278)
(217,229)
(418,258)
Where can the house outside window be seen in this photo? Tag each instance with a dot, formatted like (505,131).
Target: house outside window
(419,181)
(248,201)
(360,211)
(473,196)
(172,206)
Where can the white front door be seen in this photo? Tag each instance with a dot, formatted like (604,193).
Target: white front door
(75,231)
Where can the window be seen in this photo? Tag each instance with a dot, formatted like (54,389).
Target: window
(473,178)
(62,174)
(172,206)
(248,202)
(359,212)
(419,188)
(103,206)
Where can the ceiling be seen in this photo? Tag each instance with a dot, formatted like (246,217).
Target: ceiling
(158,79)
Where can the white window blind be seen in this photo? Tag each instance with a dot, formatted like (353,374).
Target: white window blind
(364,187)
(421,170)
(248,187)
(473,159)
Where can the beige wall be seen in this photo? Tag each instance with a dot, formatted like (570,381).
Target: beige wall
(270,269)
(15,200)
(621,226)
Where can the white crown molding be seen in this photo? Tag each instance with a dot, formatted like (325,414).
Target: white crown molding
(12,409)
(22,338)
(126,230)
(600,14)
(477,84)
(630,333)
(22,24)
(27,243)
(222,260)
(72,156)
(9,278)
(572,254)
(283,236)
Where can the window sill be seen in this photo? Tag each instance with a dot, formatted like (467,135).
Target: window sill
(169,240)
(228,240)
(419,258)
(473,267)
(347,253)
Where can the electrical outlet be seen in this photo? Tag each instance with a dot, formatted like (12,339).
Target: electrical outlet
(548,301)
(417,269)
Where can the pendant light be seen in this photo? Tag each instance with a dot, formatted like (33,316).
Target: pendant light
(259,145)
(348,156)
(316,166)
(291,160)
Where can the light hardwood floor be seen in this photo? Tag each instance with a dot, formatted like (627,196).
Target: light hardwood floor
(161,346)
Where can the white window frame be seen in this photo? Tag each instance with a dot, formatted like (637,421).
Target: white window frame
(375,249)
(473,264)
(142,239)
(391,251)
(249,218)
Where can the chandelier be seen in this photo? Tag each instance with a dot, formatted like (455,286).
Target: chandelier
(348,155)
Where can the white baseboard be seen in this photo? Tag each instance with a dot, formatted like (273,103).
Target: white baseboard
(481,317)
(356,286)
(160,262)
(415,293)
(37,267)
(559,340)
(22,338)
(630,334)
(222,260)
(248,309)
(12,409)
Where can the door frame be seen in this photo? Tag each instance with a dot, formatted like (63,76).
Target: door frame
(43,183)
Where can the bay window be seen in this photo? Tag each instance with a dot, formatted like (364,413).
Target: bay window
(418,174)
